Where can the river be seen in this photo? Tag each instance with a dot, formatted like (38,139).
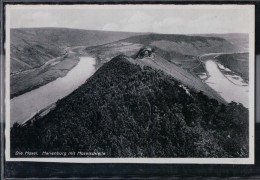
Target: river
(230,87)
(27,105)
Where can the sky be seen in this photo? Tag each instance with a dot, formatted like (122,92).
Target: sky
(165,19)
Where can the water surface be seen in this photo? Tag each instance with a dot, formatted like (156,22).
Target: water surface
(230,87)
(27,105)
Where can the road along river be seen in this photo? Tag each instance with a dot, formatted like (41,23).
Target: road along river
(230,87)
(27,105)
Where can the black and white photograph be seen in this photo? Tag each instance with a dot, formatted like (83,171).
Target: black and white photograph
(130,83)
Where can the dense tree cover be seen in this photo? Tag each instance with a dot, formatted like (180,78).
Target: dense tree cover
(128,111)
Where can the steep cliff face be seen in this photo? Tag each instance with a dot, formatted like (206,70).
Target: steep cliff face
(132,110)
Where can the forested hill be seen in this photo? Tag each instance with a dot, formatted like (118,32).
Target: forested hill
(124,110)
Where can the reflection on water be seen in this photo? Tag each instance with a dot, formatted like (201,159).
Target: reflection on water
(230,90)
(26,105)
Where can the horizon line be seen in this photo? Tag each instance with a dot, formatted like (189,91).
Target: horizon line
(52,27)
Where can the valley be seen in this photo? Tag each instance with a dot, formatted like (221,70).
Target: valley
(37,59)
(125,107)
(28,105)
(27,80)
(179,50)
(143,82)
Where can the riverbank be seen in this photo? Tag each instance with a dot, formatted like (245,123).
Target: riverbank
(29,80)
(25,106)
(123,105)
(230,88)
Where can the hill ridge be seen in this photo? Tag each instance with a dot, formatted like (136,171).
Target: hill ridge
(126,110)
